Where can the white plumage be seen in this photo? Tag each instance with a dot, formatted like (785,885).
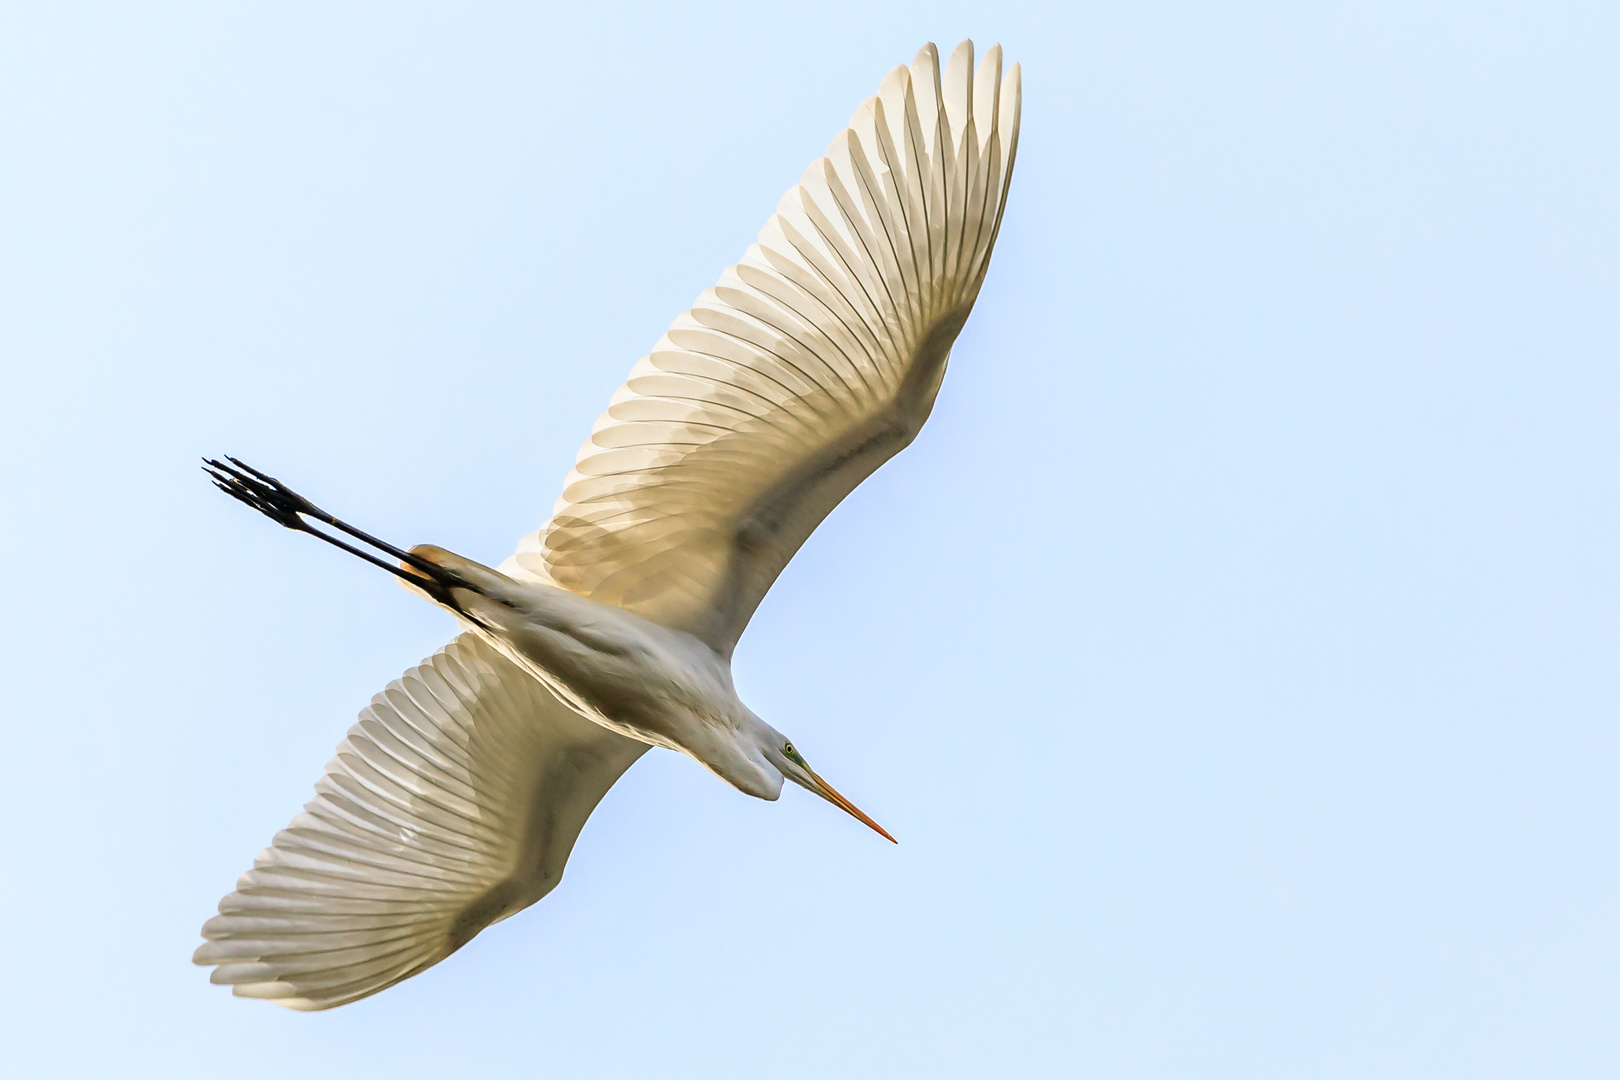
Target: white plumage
(457,797)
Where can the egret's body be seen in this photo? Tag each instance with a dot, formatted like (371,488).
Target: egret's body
(650,684)
(457,797)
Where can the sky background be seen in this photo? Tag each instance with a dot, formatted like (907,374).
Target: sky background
(1234,654)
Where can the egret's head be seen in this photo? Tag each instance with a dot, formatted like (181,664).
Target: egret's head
(781,752)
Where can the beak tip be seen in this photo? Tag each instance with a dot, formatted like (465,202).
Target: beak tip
(828,792)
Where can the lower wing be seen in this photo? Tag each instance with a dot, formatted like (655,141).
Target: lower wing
(453,803)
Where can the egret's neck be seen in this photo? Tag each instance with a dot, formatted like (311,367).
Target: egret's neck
(736,752)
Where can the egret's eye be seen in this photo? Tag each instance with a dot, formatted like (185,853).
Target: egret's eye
(788,749)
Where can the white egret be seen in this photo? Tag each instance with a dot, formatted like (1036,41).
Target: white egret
(455,800)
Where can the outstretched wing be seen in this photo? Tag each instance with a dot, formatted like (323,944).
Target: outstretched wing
(812,362)
(453,803)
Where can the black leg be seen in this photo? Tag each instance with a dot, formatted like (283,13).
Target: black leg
(283,505)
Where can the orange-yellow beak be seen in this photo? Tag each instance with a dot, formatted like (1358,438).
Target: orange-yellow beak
(827,791)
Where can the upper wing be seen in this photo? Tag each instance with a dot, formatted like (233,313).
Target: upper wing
(811,363)
(453,802)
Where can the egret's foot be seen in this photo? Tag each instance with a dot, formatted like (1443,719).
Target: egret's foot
(284,506)
(264,493)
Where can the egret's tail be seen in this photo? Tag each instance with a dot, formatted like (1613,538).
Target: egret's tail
(283,505)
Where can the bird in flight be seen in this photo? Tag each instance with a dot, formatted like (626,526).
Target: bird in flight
(456,798)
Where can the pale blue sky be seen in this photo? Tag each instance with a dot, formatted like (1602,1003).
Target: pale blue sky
(1234,655)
